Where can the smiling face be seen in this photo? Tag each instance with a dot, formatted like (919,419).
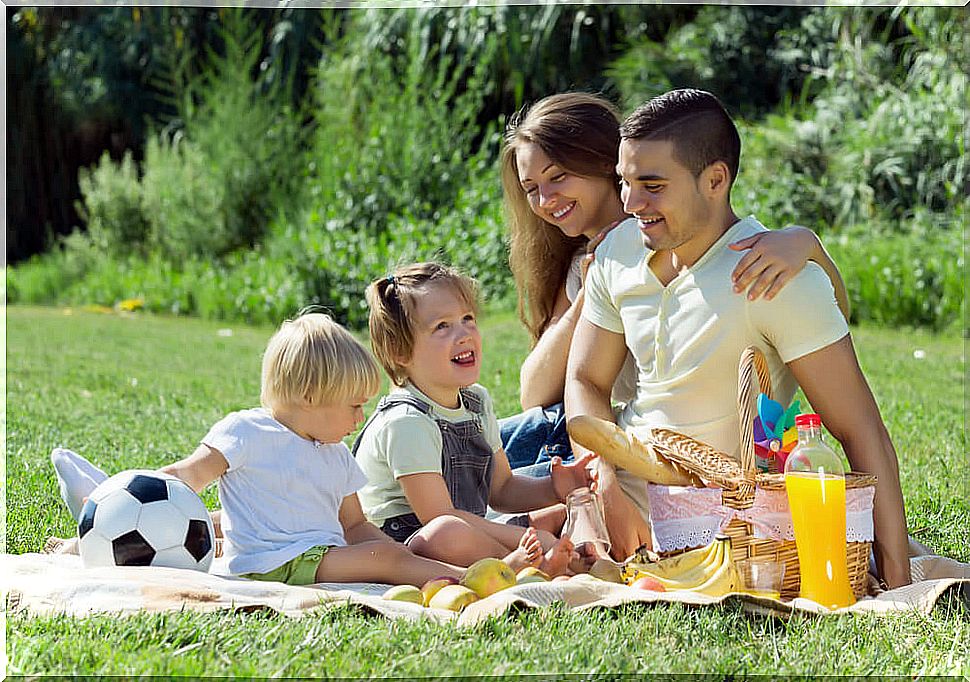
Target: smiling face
(674,211)
(576,204)
(447,350)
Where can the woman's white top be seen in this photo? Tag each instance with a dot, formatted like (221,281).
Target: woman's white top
(625,386)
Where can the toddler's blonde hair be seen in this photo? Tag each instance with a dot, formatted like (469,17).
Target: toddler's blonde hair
(312,360)
(392,305)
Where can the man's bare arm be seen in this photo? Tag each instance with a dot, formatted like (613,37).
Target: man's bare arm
(835,386)
(595,359)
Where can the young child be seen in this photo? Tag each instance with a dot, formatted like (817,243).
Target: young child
(286,482)
(432,452)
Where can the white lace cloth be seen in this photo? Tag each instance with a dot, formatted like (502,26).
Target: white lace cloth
(683,517)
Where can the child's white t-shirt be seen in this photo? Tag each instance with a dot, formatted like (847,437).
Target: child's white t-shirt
(281,494)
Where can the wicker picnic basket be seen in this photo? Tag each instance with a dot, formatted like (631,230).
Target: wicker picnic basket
(738,481)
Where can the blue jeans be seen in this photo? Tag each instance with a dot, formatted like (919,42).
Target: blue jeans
(532,438)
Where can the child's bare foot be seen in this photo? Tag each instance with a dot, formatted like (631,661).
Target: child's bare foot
(556,560)
(528,553)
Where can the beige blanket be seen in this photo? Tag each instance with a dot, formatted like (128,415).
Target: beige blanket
(57,583)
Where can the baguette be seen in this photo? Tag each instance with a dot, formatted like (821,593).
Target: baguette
(610,442)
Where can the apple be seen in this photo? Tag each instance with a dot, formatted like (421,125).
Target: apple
(430,588)
(487,576)
(648,583)
(452,598)
(404,593)
(531,574)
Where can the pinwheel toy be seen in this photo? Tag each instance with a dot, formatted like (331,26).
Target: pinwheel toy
(774,433)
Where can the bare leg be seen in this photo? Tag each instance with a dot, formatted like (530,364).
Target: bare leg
(626,526)
(383,562)
(549,519)
(456,541)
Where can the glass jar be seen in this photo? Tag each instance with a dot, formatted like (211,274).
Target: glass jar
(585,524)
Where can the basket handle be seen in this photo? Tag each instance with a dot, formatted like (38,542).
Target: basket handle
(752,364)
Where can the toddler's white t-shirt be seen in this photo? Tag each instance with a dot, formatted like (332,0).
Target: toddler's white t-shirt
(281,494)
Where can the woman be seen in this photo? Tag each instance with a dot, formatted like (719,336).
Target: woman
(562,197)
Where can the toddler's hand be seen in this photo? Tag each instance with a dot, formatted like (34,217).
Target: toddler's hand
(568,477)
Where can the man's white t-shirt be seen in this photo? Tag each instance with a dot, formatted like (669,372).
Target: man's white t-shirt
(403,440)
(687,337)
(281,494)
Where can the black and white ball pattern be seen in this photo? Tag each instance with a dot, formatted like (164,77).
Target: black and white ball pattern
(145,518)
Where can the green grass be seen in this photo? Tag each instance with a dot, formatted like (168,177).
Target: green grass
(139,391)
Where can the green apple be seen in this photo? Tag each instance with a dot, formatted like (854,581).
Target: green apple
(404,593)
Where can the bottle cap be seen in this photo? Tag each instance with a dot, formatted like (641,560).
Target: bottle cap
(808,420)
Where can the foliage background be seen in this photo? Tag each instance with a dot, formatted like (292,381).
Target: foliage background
(238,164)
(241,164)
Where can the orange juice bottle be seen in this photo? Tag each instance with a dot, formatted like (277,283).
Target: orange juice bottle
(815,483)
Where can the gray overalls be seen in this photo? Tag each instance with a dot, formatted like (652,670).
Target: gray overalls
(466,459)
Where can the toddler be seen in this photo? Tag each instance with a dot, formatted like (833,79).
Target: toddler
(432,452)
(286,482)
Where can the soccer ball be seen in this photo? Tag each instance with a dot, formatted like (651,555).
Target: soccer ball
(145,518)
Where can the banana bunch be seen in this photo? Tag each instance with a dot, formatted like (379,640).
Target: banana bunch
(708,570)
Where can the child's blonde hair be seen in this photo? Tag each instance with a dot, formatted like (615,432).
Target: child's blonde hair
(392,305)
(312,360)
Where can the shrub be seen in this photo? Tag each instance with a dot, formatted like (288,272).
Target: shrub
(214,177)
(242,139)
(185,200)
(912,279)
(730,51)
(111,206)
(881,140)
(336,263)
(395,133)
(50,277)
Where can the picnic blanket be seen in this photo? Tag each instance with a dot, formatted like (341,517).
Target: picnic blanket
(57,583)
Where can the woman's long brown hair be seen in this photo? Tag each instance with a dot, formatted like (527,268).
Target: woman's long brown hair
(580,133)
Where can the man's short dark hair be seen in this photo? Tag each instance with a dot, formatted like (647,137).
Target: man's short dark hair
(695,121)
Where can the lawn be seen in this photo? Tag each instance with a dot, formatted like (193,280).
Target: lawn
(138,391)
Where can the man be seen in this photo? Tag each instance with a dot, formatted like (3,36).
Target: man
(656,287)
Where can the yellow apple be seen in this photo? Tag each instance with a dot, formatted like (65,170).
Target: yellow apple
(452,598)
(430,588)
(531,574)
(488,576)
